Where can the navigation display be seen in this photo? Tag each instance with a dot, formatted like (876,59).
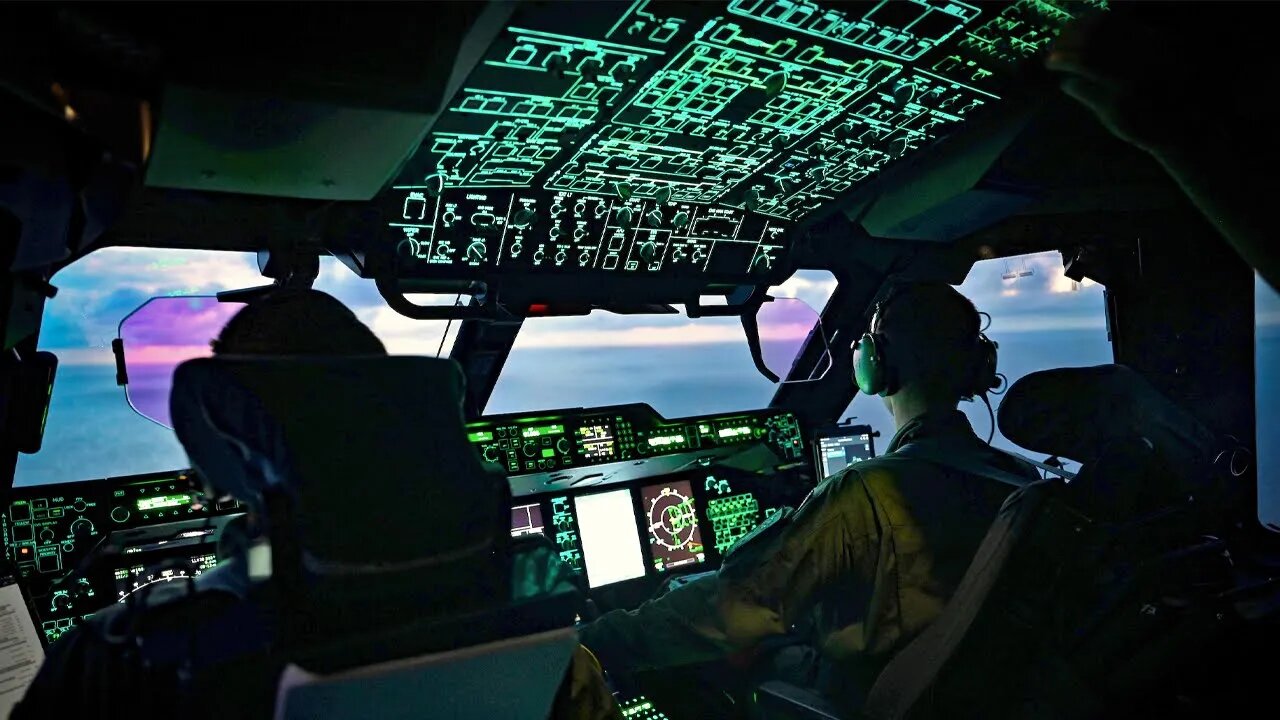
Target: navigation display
(597,441)
(674,536)
(610,543)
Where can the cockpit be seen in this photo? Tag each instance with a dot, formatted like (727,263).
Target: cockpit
(649,237)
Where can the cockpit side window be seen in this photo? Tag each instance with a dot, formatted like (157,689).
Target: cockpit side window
(1040,318)
(1267,400)
(91,431)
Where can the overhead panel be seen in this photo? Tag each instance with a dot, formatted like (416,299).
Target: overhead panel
(690,139)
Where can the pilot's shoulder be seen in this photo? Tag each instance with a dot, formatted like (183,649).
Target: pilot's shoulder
(876,472)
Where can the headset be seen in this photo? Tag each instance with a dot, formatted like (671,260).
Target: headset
(875,372)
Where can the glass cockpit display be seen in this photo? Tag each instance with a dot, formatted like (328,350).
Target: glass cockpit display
(610,546)
(838,451)
(526,520)
(674,536)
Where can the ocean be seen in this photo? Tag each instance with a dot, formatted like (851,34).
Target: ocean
(92,432)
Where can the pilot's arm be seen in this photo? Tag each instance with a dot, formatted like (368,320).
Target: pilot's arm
(769,580)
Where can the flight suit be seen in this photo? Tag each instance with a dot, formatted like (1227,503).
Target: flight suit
(865,563)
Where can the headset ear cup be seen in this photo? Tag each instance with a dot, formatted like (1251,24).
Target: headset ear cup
(985,377)
(869,371)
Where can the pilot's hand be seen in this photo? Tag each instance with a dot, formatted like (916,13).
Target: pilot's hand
(1131,76)
(589,696)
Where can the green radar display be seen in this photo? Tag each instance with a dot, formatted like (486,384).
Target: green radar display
(674,536)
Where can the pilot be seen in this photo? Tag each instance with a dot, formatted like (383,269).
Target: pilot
(870,557)
(89,672)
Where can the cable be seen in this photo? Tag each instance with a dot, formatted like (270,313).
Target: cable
(1003,386)
(991,414)
(988,325)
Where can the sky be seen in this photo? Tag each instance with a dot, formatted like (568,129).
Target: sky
(679,365)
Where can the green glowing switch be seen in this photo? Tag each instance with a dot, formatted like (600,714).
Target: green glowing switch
(163,501)
(480,436)
(534,432)
(548,453)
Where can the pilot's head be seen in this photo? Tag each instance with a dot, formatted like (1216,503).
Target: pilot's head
(924,351)
(286,322)
(296,321)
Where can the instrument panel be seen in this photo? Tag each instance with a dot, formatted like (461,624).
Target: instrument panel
(689,138)
(571,439)
(645,528)
(621,491)
(79,547)
(626,494)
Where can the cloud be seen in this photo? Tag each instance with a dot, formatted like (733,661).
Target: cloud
(1032,292)
(97,291)
(814,287)
(100,289)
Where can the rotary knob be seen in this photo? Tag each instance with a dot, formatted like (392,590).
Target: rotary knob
(524,217)
(775,82)
(654,218)
(680,220)
(648,250)
(120,514)
(624,216)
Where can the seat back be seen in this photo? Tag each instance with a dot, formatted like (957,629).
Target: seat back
(515,679)
(380,499)
(389,539)
(1089,593)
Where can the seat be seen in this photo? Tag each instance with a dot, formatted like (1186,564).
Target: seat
(389,539)
(1084,597)
(458,683)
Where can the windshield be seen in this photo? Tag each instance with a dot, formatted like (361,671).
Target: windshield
(681,366)
(1040,318)
(91,431)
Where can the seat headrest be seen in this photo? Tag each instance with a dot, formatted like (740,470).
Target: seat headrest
(1077,413)
(371,450)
